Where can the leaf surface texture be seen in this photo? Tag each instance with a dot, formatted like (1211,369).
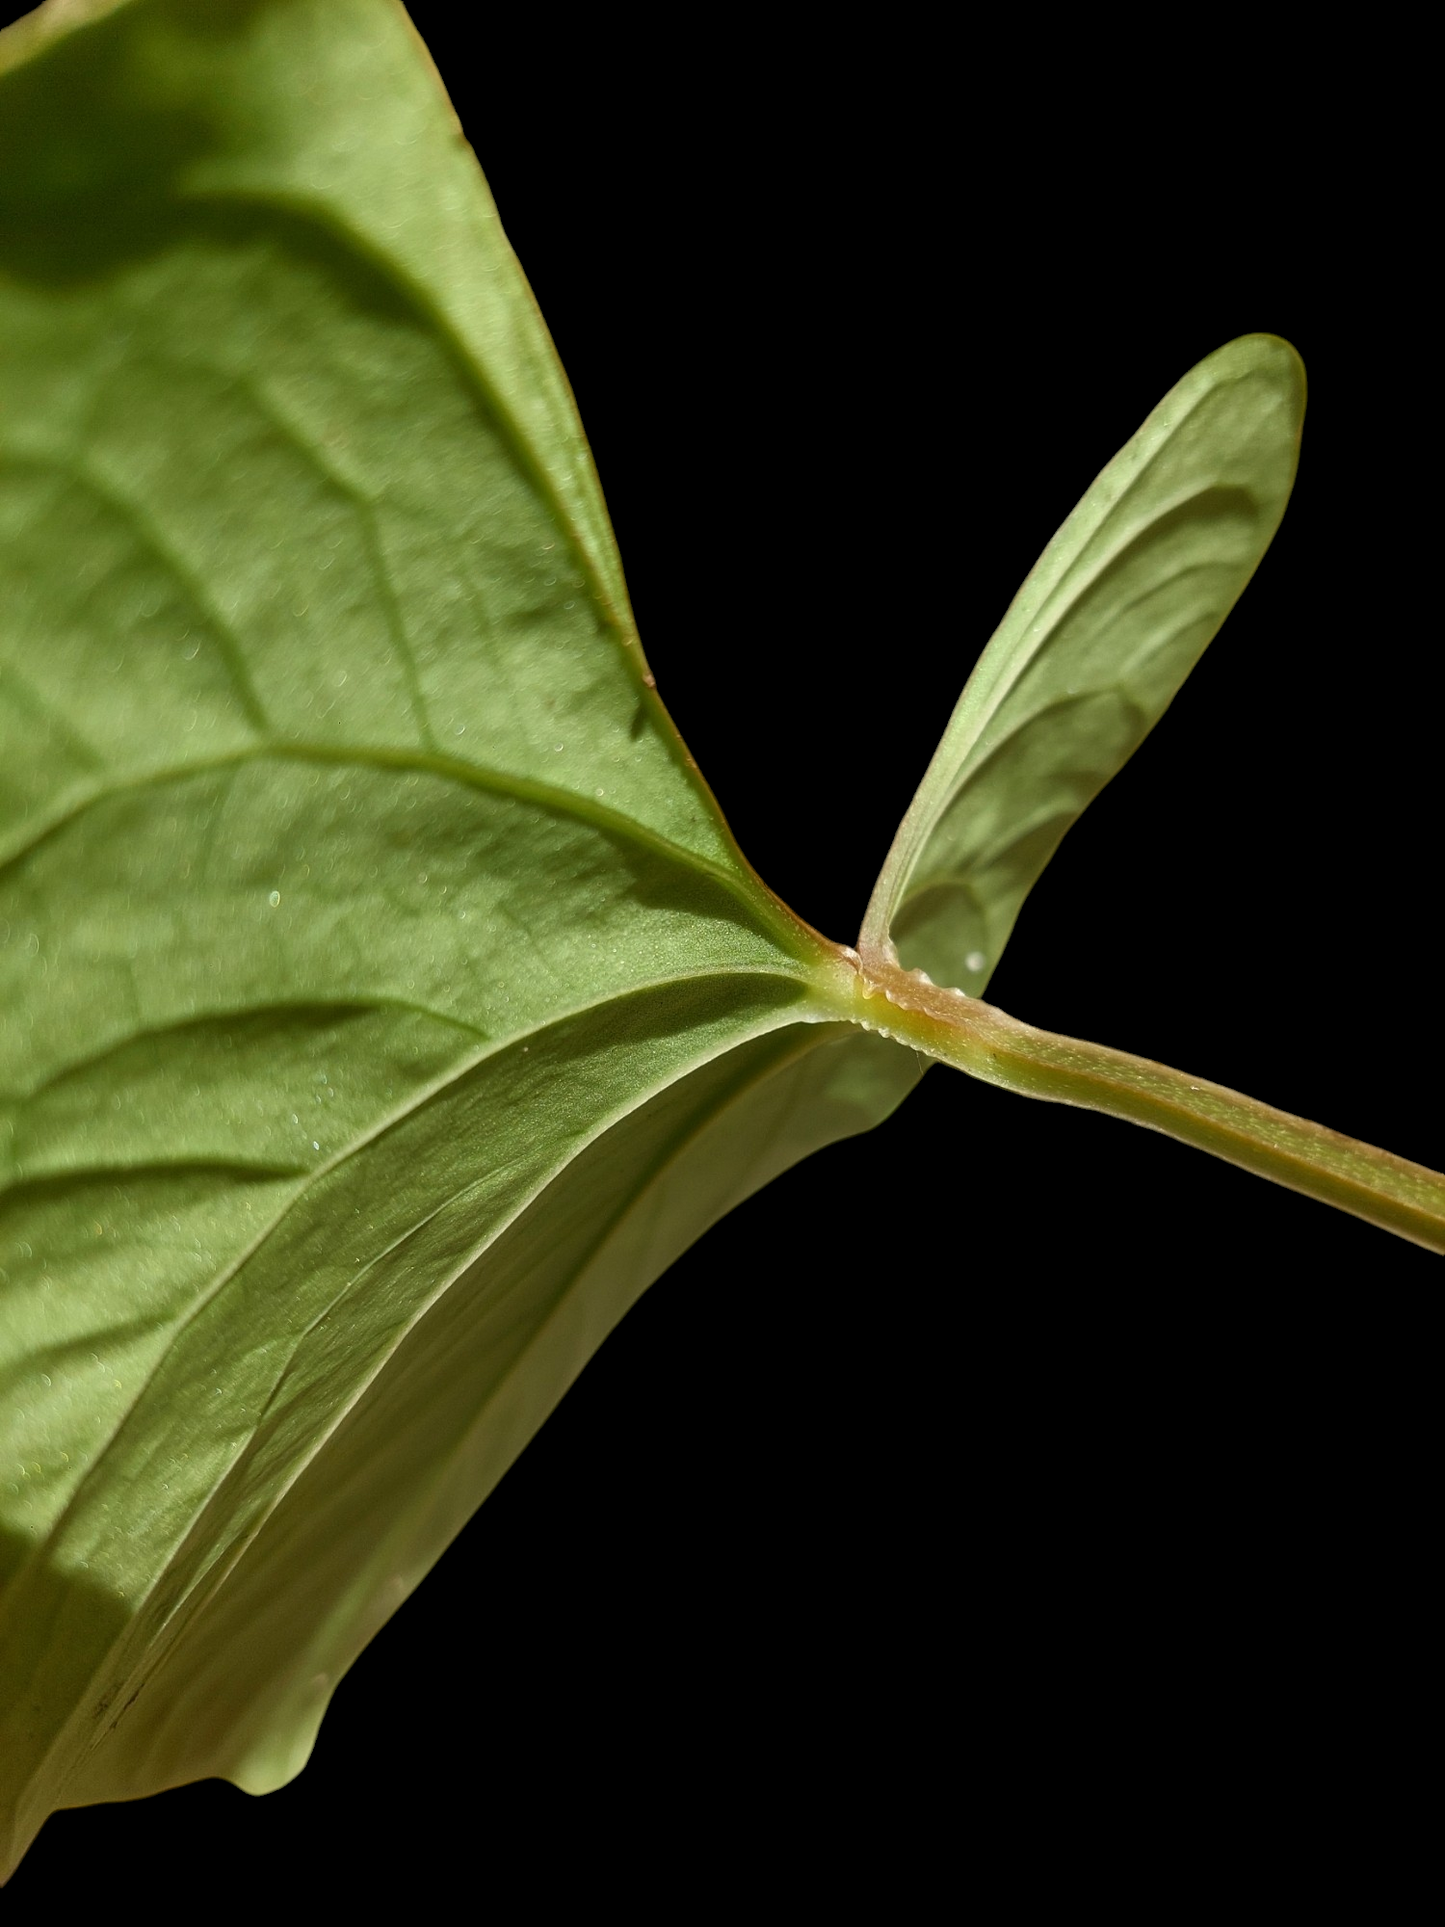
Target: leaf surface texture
(383,1000)
(1093,649)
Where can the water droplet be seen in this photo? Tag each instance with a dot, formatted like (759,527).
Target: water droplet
(975,960)
(314,1145)
(274,898)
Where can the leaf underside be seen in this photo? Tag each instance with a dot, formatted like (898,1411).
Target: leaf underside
(1093,649)
(384,1002)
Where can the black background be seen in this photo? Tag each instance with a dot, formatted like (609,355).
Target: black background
(1010,1487)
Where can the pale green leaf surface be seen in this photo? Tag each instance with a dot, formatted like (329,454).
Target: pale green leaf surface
(1106,627)
(383,1001)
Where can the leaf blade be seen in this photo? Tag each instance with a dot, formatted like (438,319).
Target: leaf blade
(355,890)
(213,1706)
(1105,628)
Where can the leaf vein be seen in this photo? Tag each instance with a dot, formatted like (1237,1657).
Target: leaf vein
(523,789)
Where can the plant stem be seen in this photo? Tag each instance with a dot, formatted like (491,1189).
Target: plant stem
(1391,1192)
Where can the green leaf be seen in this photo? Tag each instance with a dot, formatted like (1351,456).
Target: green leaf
(1109,622)
(385,1000)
